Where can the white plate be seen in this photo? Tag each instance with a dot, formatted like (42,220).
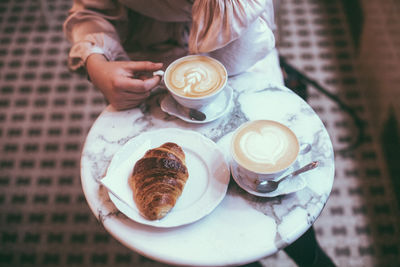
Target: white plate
(205,188)
(213,111)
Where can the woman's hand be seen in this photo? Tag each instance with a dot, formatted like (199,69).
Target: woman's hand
(122,82)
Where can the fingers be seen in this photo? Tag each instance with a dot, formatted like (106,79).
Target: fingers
(143,66)
(152,82)
(128,84)
(127,91)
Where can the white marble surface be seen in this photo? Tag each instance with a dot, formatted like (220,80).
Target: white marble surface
(243,228)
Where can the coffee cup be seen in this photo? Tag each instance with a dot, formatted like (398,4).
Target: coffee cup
(195,81)
(262,150)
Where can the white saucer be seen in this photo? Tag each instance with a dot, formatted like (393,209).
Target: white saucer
(205,188)
(287,186)
(212,111)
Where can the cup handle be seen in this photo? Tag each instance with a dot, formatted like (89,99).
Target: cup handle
(159,73)
(304,148)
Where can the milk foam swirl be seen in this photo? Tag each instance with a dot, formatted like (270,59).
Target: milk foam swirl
(196,77)
(265,146)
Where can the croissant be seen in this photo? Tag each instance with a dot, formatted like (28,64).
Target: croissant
(158,179)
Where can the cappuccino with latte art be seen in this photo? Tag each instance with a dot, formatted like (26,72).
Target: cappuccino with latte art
(195,81)
(195,76)
(264,146)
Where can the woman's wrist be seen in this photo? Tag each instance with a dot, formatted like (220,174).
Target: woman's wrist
(92,62)
(94,58)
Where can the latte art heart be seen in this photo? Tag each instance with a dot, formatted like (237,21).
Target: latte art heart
(266,146)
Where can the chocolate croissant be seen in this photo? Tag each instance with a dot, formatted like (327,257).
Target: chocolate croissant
(158,180)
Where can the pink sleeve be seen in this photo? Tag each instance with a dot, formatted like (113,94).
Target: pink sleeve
(90,29)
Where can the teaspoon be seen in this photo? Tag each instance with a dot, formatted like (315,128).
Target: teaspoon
(196,114)
(266,186)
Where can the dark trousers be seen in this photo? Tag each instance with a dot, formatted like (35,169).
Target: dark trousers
(305,252)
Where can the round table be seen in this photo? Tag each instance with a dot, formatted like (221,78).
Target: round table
(243,228)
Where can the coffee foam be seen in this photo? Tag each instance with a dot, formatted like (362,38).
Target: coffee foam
(265,146)
(195,76)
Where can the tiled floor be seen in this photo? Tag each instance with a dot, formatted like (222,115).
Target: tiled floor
(45,113)
(360,224)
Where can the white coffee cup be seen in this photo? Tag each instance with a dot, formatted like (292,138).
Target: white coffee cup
(262,150)
(195,81)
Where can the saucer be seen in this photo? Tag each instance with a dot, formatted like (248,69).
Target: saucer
(212,111)
(287,186)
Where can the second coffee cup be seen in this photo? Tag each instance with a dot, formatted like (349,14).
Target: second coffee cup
(262,150)
(195,81)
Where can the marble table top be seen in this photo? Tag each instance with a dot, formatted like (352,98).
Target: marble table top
(242,228)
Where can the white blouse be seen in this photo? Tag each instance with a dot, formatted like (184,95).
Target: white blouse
(239,33)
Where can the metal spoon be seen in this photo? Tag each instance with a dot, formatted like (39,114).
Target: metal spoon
(266,186)
(195,114)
